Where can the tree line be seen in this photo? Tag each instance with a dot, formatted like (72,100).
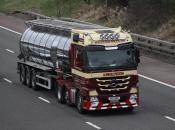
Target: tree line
(163,6)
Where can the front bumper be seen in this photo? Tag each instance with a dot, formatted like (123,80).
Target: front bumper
(126,101)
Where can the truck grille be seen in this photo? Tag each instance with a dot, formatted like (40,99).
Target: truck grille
(113,83)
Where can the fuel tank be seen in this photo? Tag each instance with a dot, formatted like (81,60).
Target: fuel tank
(37,45)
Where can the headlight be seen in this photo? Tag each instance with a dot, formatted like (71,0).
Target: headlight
(93,99)
(133,90)
(133,98)
(93,93)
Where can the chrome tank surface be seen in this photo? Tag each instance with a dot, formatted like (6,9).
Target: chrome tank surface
(36,46)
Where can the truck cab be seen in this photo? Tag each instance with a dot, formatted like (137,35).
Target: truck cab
(104,69)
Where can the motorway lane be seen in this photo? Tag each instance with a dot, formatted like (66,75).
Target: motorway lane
(157,70)
(10,22)
(13,40)
(8,61)
(21,108)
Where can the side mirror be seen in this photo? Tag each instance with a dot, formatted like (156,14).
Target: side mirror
(75,37)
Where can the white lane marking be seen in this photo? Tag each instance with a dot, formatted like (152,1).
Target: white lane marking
(7,80)
(93,125)
(160,82)
(43,99)
(10,30)
(157,81)
(9,50)
(169,118)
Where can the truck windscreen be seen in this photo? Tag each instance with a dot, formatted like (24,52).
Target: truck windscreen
(114,59)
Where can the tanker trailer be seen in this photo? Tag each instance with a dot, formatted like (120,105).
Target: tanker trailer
(86,65)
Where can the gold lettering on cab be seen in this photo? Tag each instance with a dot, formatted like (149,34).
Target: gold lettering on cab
(113,74)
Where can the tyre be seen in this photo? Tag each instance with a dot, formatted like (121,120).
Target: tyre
(23,74)
(60,94)
(79,104)
(28,77)
(67,98)
(33,80)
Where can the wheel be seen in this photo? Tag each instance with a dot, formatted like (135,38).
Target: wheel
(28,77)
(67,98)
(60,94)
(79,104)
(33,80)
(23,74)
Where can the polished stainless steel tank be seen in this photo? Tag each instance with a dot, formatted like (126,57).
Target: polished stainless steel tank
(37,45)
(38,41)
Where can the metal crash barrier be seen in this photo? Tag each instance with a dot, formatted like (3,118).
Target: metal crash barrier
(154,45)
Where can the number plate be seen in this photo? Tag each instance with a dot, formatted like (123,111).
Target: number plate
(114,99)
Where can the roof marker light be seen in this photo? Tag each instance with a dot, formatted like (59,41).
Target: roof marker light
(111,48)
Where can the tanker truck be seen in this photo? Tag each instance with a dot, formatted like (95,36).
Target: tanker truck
(88,66)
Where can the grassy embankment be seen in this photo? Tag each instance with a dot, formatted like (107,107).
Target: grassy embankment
(47,7)
(151,18)
(67,8)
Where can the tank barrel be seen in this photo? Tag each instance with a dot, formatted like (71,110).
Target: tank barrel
(43,35)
